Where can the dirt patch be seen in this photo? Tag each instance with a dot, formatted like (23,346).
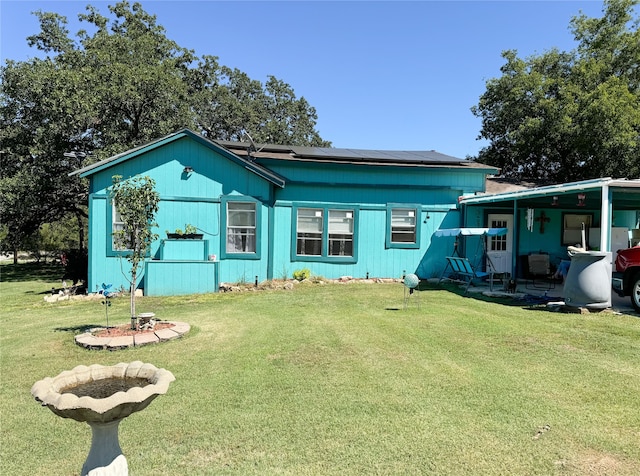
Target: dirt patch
(594,463)
(125,330)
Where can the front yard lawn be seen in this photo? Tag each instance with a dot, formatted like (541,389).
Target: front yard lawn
(336,380)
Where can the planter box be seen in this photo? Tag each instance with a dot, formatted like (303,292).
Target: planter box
(183,249)
(185,236)
(173,278)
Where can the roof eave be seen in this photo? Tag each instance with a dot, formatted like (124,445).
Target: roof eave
(540,191)
(264,173)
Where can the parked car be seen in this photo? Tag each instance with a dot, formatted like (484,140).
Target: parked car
(626,275)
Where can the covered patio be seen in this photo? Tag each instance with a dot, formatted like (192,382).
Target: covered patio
(602,214)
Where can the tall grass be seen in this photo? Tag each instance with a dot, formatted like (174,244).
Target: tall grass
(338,379)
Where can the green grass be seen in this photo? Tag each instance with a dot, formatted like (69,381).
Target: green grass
(331,380)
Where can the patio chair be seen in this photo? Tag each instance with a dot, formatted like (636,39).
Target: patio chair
(461,269)
(539,272)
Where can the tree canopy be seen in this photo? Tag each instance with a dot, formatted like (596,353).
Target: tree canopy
(566,116)
(118,84)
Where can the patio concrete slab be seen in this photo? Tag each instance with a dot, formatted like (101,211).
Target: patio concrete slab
(166,334)
(146,338)
(120,342)
(556,294)
(181,327)
(90,341)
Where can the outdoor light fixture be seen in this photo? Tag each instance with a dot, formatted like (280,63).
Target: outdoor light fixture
(554,202)
(581,197)
(188,169)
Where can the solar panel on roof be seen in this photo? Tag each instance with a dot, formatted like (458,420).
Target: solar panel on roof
(381,155)
(358,155)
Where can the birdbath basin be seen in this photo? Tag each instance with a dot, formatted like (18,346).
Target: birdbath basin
(103,396)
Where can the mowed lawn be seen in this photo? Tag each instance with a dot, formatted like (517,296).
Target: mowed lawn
(335,380)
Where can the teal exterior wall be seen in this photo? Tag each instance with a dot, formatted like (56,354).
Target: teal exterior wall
(185,198)
(189,277)
(201,198)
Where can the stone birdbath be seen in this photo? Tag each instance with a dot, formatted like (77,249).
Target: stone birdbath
(103,396)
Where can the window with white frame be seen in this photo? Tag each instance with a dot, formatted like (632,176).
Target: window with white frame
(325,233)
(309,226)
(241,227)
(403,225)
(117,224)
(340,232)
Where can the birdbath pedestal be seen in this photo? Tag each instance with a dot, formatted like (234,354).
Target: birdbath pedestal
(102,397)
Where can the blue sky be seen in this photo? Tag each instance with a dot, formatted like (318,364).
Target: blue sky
(381,75)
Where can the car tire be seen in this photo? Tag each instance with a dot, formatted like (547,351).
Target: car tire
(635,292)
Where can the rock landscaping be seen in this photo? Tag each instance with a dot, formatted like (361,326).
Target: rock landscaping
(122,337)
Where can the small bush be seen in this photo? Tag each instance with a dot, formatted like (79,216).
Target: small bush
(302,274)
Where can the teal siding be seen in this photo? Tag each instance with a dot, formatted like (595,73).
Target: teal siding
(464,180)
(193,198)
(180,277)
(199,198)
(373,257)
(376,195)
(212,176)
(183,250)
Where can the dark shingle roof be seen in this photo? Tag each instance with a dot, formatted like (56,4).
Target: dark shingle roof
(353,156)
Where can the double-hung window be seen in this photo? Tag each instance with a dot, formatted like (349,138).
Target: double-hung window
(340,232)
(402,226)
(325,234)
(241,227)
(309,235)
(241,216)
(117,225)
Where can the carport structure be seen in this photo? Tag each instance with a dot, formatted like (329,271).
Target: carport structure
(550,218)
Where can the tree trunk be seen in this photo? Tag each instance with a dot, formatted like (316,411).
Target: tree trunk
(133,300)
(80,231)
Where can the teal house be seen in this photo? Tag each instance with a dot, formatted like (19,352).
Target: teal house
(263,212)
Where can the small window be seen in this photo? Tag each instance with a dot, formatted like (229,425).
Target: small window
(241,227)
(403,225)
(403,230)
(572,224)
(309,234)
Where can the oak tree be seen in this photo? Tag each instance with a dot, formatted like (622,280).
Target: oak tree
(567,116)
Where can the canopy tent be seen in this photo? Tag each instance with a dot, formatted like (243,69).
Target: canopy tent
(471,232)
